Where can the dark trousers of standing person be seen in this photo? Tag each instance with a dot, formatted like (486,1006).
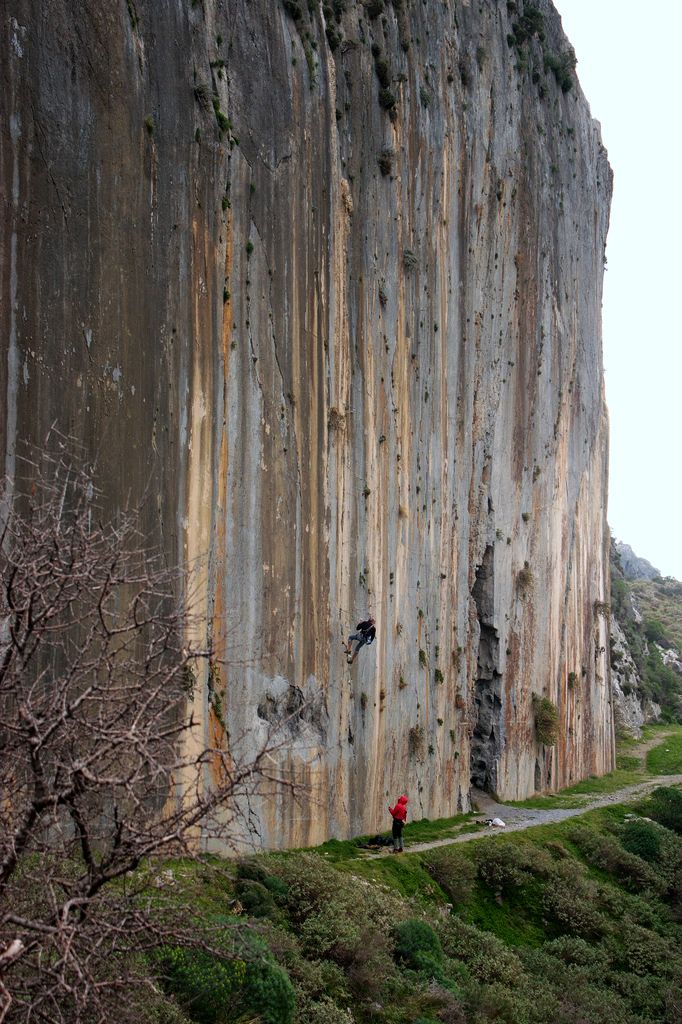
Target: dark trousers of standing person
(397,836)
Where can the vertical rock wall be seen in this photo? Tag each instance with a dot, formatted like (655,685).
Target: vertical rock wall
(335,315)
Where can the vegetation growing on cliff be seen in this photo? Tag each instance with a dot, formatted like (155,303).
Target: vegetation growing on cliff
(546,715)
(528,39)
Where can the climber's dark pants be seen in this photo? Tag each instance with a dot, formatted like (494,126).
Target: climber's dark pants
(397,834)
(361,639)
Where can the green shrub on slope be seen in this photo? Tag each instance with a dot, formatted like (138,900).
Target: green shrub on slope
(454,872)
(665,806)
(413,937)
(642,838)
(204,985)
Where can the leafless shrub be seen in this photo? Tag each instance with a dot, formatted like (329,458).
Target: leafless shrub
(103,772)
(546,720)
(410,260)
(524,579)
(415,741)
(336,419)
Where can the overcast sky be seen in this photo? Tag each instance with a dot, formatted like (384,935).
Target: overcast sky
(630,70)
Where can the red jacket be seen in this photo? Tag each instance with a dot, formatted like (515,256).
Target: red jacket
(399,812)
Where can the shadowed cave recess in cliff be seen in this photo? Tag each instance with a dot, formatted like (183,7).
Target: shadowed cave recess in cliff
(486,741)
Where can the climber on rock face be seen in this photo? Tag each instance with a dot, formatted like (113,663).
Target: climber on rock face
(364,634)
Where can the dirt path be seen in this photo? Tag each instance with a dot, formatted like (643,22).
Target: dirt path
(518,818)
(643,748)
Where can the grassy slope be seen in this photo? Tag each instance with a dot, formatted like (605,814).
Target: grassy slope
(666,758)
(503,907)
(514,902)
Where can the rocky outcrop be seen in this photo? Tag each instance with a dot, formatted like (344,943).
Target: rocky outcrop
(320,284)
(632,709)
(646,668)
(635,568)
(671,658)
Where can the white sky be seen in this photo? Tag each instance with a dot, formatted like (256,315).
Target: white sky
(630,69)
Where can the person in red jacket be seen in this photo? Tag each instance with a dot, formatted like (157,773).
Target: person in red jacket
(399,814)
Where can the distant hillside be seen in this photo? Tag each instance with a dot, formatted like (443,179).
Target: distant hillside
(635,568)
(646,641)
(661,601)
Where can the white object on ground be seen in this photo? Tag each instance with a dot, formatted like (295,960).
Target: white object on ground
(498,823)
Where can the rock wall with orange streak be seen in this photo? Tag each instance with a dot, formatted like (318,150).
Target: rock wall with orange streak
(345,346)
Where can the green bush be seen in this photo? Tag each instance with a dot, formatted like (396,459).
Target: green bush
(581,992)
(418,948)
(645,994)
(387,99)
(641,910)
(665,806)
(454,872)
(373,974)
(505,866)
(661,683)
(501,866)
(258,890)
(655,632)
(572,902)
(485,957)
(576,952)
(293,9)
(328,933)
(429,966)
(562,66)
(644,952)
(256,900)
(204,985)
(210,988)
(605,852)
(642,838)
(252,869)
(267,993)
(312,979)
(498,1004)
(413,938)
(342,918)
(323,1011)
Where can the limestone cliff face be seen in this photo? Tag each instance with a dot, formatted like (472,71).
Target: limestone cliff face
(323,281)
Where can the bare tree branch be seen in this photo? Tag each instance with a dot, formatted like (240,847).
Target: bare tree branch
(98,778)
